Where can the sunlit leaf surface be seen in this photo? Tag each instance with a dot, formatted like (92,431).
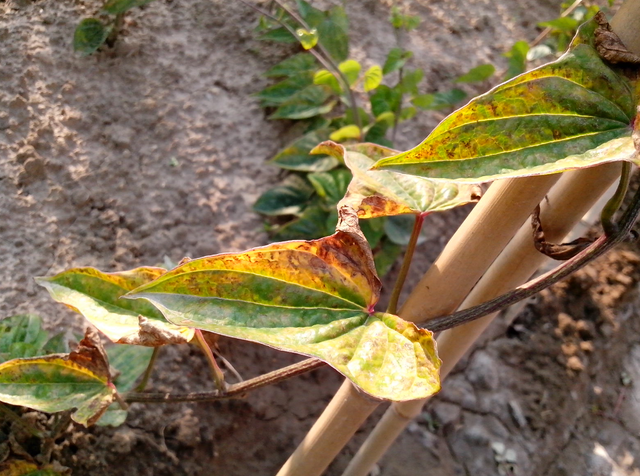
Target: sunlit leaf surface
(383,193)
(60,382)
(311,297)
(573,113)
(96,295)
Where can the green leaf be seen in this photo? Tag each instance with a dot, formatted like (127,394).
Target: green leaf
(563,24)
(311,15)
(385,99)
(289,198)
(388,118)
(407,22)
(575,112)
(351,70)
(120,6)
(296,155)
(373,230)
(333,34)
(311,224)
(308,39)
(386,256)
(399,229)
(438,101)
(279,35)
(331,186)
(285,90)
(372,78)
(306,103)
(376,134)
(301,64)
(326,77)
(22,336)
(96,295)
(517,59)
(407,113)
(380,193)
(131,361)
(345,133)
(410,81)
(60,382)
(478,74)
(310,297)
(396,59)
(90,35)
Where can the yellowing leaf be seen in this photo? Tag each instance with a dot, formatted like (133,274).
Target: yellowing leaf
(345,133)
(381,193)
(351,70)
(572,113)
(60,382)
(311,297)
(96,295)
(372,78)
(308,39)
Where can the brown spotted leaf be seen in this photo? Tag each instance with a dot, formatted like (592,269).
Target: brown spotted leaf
(383,193)
(79,380)
(310,297)
(573,113)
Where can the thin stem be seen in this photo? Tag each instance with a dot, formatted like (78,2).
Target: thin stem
(406,263)
(218,376)
(599,247)
(6,411)
(326,60)
(615,202)
(147,373)
(396,117)
(115,30)
(232,391)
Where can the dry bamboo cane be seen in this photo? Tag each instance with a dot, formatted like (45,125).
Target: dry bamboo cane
(567,202)
(474,246)
(329,435)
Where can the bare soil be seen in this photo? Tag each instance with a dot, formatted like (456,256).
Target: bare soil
(156,149)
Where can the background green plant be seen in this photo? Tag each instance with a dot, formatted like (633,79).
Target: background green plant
(92,33)
(330,96)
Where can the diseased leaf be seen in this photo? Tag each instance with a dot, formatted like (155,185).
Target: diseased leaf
(60,382)
(296,155)
(289,198)
(90,35)
(478,74)
(22,336)
(311,297)
(96,295)
(573,113)
(372,78)
(380,193)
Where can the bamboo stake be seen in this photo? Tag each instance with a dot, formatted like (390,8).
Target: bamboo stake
(567,202)
(482,236)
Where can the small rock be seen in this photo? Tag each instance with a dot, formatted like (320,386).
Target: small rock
(566,324)
(123,441)
(585,329)
(574,363)
(586,346)
(482,372)
(569,349)
(446,413)
(517,414)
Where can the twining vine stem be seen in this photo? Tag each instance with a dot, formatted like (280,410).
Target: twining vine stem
(617,234)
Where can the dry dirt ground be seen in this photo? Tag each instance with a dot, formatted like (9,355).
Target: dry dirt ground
(156,148)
